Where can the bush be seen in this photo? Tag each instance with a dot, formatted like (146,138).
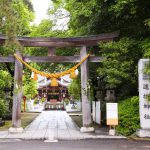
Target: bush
(128,116)
(74,89)
(67,101)
(2,109)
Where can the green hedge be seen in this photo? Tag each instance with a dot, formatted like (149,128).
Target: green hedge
(128,116)
(2,109)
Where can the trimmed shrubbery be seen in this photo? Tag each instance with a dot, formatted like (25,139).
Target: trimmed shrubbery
(2,109)
(128,116)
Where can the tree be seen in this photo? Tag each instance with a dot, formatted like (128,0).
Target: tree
(5,81)
(29,87)
(131,18)
(74,89)
(15,18)
(119,70)
(2,108)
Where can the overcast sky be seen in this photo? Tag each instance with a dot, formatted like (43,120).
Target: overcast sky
(40,8)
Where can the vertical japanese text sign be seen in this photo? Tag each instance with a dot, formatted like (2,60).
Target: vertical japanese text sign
(112,113)
(144,89)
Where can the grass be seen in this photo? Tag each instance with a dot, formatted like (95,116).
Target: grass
(136,138)
(26,119)
(78,120)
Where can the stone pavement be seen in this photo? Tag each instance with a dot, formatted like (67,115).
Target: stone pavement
(53,125)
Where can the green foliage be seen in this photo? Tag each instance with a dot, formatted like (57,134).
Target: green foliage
(42,100)
(146,49)
(8,24)
(128,116)
(97,16)
(44,29)
(66,101)
(29,87)
(131,18)
(145,45)
(5,79)
(119,69)
(15,20)
(2,109)
(74,89)
(36,101)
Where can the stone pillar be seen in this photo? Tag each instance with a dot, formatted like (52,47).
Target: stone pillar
(86,106)
(17,98)
(144,104)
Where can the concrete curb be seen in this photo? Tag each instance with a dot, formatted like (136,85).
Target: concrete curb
(83,137)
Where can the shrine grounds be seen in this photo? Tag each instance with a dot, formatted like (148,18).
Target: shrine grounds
(54,125)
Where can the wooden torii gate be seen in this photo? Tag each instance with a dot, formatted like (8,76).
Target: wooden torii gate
(52,44)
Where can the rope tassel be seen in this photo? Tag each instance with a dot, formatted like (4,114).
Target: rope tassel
(54,82)
(73,75)
(35,77)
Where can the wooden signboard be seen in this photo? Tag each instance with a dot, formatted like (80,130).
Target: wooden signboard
(112,114)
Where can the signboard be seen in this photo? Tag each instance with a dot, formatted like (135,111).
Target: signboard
(96,112)
(144,89)
(112,113)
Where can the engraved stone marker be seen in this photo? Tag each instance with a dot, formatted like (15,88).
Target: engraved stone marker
(144,105)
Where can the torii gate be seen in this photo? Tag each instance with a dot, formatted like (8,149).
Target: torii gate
(52,44)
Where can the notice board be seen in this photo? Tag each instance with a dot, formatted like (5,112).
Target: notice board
(112,113)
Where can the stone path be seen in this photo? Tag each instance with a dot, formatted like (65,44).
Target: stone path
(53,125)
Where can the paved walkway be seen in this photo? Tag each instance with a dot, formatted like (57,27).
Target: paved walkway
(53,125)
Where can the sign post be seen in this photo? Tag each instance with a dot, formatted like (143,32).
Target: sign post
(144,105)
(112,116)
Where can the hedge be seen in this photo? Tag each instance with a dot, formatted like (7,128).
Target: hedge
(128,116)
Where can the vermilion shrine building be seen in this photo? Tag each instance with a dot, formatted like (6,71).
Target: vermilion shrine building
(54,96)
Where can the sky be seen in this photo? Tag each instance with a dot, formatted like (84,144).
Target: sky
(40,8)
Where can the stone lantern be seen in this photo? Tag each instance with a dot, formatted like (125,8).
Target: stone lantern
(110,95)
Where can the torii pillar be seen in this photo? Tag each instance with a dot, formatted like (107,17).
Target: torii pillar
(86,105)
(17,98)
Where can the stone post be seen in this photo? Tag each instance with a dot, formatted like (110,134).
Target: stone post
(144,104)
(86,106)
